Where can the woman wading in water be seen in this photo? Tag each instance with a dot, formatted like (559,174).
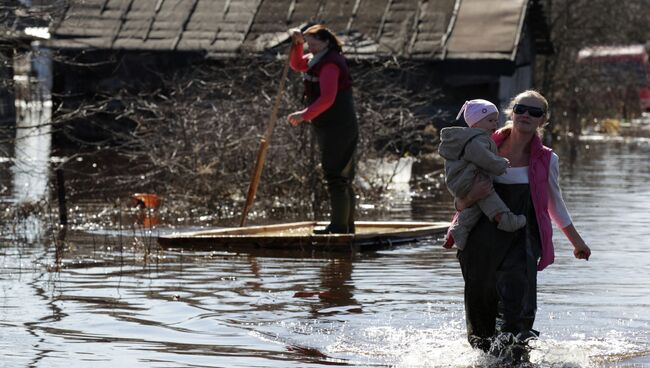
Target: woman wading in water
(499,267)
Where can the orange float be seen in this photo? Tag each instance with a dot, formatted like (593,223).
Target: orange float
(146,200)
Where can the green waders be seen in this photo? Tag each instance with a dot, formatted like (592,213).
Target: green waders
(337,132)
(500,272)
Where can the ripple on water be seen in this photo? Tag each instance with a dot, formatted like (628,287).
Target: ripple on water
(401,307)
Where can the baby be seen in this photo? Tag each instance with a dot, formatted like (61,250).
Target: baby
(469,151)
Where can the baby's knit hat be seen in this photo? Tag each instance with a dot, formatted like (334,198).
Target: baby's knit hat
(475,110)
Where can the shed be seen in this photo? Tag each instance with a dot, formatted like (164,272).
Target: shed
(473,48)
(417,29)
(478,40)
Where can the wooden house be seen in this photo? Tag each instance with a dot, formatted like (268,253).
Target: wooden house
(471,48)
(471,41)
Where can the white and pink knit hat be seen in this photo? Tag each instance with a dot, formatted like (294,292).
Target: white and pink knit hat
(475,110)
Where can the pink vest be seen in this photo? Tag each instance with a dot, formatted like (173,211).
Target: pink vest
(538,170)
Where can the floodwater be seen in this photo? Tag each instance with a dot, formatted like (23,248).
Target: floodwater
(116,300)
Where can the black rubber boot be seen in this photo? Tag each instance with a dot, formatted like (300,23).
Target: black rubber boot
(352,210)
(340,205)
(528,335)
(481,343)
(509,349)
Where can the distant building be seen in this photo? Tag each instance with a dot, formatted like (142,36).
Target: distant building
(633,59)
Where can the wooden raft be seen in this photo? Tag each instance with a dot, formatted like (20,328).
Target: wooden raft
(370,235)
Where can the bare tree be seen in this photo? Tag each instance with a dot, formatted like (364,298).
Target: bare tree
(196,135)
(193,132)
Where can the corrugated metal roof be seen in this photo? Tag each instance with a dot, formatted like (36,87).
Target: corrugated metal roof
(417,29)
(487,27)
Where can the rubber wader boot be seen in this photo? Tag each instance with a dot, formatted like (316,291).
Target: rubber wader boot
(340,206)
(352,207)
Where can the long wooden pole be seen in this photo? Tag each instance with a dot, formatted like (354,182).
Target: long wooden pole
(264,145)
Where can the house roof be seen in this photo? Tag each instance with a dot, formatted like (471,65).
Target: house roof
(487,27)
(414,29)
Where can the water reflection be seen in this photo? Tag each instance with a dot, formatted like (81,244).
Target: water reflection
(337,289)
(32,156)
(393,176)
(33,81)
(401,307)
(335,294)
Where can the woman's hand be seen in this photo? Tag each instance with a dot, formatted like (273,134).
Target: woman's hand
(581,251)
(481,188)
(580,248)
(296,118)
(296,36)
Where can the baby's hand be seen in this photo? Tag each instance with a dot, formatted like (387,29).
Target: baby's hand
(505,167)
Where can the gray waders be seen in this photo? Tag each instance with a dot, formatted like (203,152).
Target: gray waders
(500,272)
(337,133)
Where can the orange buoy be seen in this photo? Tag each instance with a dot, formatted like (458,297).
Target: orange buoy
(146,200)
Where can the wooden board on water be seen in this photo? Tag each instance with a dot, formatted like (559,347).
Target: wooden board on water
(370,235)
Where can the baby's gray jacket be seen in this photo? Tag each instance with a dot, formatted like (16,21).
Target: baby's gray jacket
(467,152)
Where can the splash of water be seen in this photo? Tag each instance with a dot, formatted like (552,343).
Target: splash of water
(446,346)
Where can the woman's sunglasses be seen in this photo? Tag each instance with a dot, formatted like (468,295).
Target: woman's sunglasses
(535,112)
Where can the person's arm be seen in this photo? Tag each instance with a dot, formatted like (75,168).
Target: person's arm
(481,188)
(297,61)
(478,153)
(556,206)
(580,248)
(329,85)
(559,213)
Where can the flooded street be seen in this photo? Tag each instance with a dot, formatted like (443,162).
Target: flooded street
(119,301)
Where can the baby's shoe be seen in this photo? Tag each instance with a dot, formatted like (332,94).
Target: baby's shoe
(511,222)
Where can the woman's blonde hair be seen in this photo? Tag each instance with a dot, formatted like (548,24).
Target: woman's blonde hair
(321,32)
(528,93)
